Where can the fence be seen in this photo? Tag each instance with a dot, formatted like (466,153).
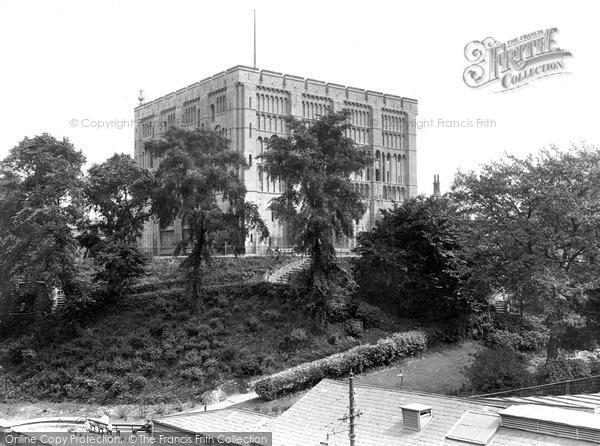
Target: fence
(569,387)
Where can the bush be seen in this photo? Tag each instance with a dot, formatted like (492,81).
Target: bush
(136,382)
(524,334)
(295,339)
(339,309)
(357,359)
(497,369)
(370,315)
(253,324)
(212,396)
(563,369)
(246,364)
(448,331)
(18,352)
(192,374)
(354,328)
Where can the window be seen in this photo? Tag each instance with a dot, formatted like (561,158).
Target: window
(212,113)
(250,160)
(250,130)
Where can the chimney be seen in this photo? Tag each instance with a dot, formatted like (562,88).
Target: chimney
(415,416)
(436,186)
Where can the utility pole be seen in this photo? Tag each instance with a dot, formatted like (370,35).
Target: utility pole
(352,415)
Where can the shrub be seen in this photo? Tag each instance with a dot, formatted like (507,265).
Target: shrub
(271,315)
(192,374)
(295,339)
(136,382)
(253,324)
(354,328)
(213,396)
(339,309)
(524,334)
(563,369)
(497,369)
(246,364)
(370,315)
(448,331)
(359,358)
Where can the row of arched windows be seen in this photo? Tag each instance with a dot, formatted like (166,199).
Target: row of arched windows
(393,123)
(221,105)
(358,135)
(359,118)
(312,110)
(390,168)
(170,120)
(271,104)
(275,124)
(190,115)
(393,140)
(221,131)
(147,126)
(362,190)
(395,193)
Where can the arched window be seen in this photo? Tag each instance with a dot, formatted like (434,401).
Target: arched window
(250,130)
(212,113)
(250,160)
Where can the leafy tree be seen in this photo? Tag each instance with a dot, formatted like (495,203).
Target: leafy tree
(413,260)
(41,204)
(200,183)
(534,227)
(319,203)
(118,192)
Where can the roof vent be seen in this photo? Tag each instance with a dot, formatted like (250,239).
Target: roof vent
(415,416)
(474,428)
(552,421)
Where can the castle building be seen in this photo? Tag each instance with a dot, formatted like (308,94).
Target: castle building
(248,105)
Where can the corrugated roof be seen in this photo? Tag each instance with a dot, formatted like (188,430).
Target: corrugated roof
(323,410)
(585,402)
(223,420)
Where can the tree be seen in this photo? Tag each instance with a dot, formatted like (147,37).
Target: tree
(319,203)
(41,204)
(118,192)
(413,260)
(534,226)
(200,183)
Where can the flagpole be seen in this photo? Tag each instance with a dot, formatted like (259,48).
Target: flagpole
(254,11)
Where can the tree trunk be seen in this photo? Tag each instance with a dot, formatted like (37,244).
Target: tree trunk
(552,348)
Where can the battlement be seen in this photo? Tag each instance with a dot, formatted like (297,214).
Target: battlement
(277,80)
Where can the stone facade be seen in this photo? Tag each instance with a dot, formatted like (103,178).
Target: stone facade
(248,105)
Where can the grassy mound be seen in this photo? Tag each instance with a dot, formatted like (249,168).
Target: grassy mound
(149,348)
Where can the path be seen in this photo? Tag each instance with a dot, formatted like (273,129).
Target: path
(438,371)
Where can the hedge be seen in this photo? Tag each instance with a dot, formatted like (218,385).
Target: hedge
(357,359)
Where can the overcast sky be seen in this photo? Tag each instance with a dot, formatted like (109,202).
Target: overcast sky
(84,60)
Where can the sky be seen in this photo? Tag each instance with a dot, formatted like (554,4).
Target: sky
(69,62)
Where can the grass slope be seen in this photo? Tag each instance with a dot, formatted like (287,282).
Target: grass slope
(148,348)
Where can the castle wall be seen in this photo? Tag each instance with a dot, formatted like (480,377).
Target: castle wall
(248,106)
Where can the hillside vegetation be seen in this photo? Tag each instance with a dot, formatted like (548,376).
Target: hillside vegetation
(149,348)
